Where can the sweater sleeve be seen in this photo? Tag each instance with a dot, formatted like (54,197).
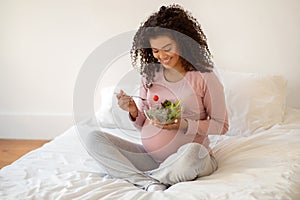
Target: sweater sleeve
(211,94)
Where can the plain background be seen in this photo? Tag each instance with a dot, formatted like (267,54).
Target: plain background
(43,45)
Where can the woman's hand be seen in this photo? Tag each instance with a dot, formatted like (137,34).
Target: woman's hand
(179,123)
(127,103)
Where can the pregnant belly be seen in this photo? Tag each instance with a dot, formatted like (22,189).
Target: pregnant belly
(161,143)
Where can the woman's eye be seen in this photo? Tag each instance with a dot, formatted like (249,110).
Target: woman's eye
(165,50)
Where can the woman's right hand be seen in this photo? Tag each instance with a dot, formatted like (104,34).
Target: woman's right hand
(126,103)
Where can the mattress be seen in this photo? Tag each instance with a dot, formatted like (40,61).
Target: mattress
(264,165)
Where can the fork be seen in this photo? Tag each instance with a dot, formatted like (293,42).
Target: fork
(134,96)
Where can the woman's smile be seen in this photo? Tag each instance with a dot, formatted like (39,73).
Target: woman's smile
(165,61)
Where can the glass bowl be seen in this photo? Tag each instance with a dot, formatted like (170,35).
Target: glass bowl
(166,114)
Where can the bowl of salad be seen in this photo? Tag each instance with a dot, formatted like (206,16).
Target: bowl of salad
(167,112)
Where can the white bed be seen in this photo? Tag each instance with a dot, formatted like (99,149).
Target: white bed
(258,159)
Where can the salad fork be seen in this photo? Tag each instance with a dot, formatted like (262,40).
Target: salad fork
(134,96)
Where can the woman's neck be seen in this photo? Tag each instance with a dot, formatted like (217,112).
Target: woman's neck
(173,75)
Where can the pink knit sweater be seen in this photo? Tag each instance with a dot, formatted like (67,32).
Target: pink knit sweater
(202,98)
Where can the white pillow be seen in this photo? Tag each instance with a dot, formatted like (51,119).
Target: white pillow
(110,115)
(255,102)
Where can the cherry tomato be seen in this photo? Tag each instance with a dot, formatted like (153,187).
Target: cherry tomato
(155,98)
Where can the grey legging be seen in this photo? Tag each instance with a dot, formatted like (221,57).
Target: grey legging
(129,161)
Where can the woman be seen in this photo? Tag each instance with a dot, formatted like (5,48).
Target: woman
(171,52)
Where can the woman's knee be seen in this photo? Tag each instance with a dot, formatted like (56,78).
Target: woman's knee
(92,138)
(194,150)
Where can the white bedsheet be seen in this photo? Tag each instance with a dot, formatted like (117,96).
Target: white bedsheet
(263,166)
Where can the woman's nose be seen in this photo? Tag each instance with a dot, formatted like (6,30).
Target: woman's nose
(162,55)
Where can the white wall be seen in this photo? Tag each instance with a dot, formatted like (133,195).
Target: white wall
(43,45)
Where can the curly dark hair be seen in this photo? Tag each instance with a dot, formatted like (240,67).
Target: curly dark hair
(182,27)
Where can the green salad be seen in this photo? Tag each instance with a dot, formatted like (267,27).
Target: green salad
(168,112)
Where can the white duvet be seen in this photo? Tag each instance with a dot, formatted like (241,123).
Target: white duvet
(264,166)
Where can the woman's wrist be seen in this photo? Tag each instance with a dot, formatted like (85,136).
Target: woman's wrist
(184,125)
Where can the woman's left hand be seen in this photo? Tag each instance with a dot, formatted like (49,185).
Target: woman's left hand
(178,124)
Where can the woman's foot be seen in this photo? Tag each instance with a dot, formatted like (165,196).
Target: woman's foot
(156,187)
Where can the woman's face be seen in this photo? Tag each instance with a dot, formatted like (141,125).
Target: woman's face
(166,51)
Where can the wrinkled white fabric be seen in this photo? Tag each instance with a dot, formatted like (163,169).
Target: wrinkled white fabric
(265,165)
